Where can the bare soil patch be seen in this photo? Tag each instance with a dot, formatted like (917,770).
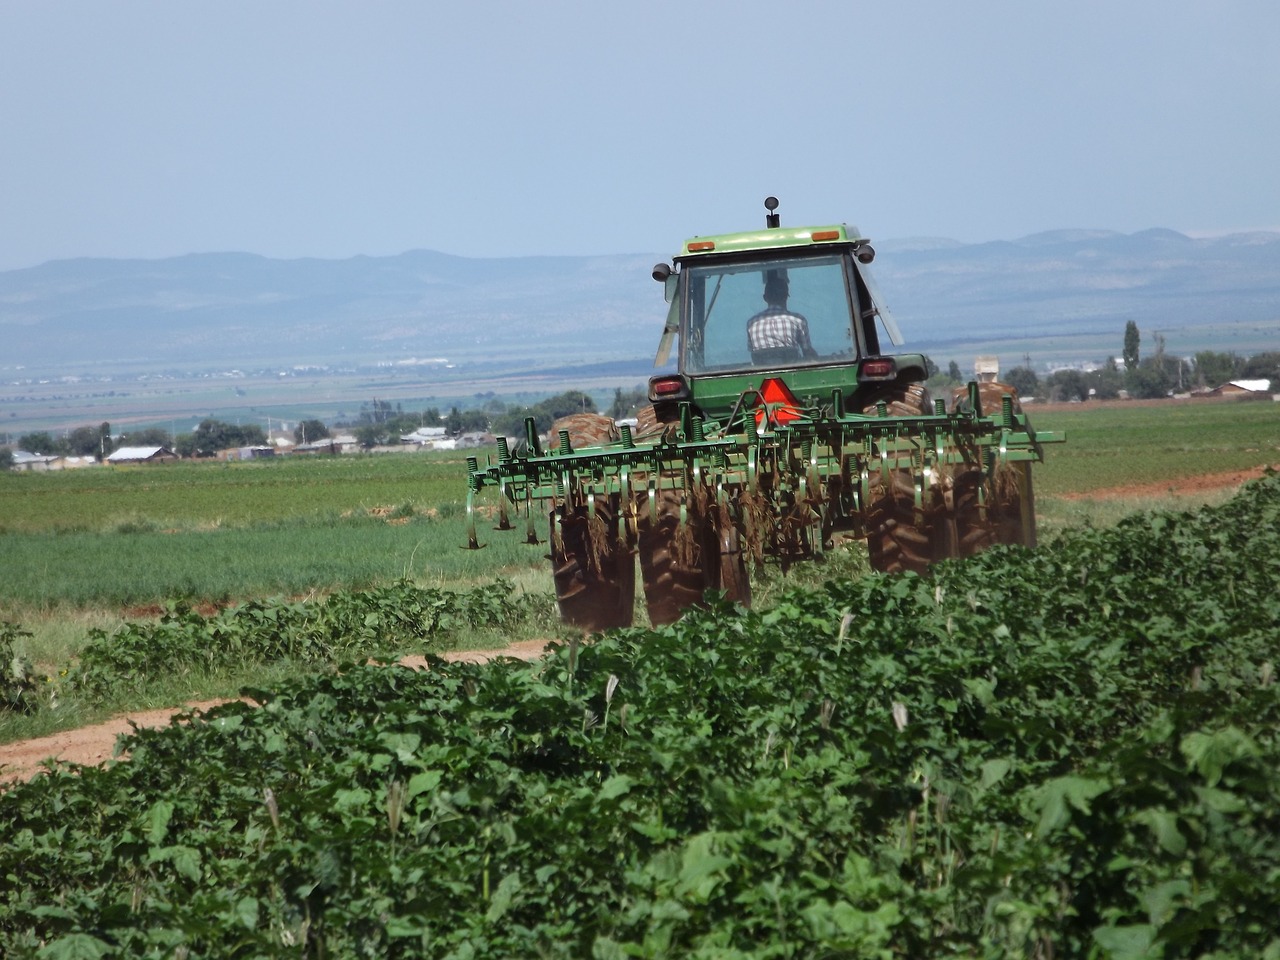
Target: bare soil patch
(96,744)
(1180,486)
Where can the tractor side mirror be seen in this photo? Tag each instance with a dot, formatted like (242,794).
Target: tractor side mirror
(663,273)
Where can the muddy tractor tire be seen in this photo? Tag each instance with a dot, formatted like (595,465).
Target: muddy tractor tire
(902,400)
(1009,516)
(677,563)
(648,426)
(585,430)
(1010,501)
(593,568)
(1015,502)
(991,394)
(899,538)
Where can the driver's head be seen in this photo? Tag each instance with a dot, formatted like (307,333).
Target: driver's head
(776,289)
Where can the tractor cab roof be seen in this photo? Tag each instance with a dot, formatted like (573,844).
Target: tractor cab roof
(771,238)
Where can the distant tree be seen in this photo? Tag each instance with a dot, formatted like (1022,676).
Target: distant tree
(627,402)
(309,431)
(953,371)
(453,422)
(82,442)
(1024,380)
(379,411)
(1260,366)
(1131,345)
(1066,385)
(6,458)
(1149,380)
(370,435)
(475,421)
(213,435)
(1106,382)
(511,422)
(563,404)
(930,368)
(147,437)
(41,443)
(1213,369)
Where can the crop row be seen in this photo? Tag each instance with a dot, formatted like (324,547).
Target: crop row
(378,624)
(1065,753)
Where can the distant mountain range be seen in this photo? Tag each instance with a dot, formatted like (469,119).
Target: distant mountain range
(218,311)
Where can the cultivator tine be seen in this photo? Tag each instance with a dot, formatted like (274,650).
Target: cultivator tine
(531,532)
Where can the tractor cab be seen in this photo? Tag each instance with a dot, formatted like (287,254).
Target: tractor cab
(799,301)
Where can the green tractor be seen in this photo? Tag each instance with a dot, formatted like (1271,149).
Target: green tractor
(787,427)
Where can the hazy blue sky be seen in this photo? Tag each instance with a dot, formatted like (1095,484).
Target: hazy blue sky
(149,129)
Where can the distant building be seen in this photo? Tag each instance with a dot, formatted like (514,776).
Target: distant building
(1241,388)
(128,455)
(344,443)
(423,435)
(26,461)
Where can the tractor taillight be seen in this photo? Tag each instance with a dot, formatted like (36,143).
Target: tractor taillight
(880,368)
(820,235)
(667,388)
(700,246)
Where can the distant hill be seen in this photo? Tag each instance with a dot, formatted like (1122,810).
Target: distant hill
(217,311)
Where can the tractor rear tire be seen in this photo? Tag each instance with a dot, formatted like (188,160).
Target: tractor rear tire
(897,539)
(1015,504)
(675,574)
(595,581)
(1010,509)
(973,532)
(902,400)
(585,430)
(991,394)
(1010,502)
(649,427)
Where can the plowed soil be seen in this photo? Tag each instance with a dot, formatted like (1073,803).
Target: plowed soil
(96,744)
(1181,486)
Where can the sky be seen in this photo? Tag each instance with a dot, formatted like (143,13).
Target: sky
(336,129)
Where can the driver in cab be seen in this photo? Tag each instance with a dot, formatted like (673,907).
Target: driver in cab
(776,334)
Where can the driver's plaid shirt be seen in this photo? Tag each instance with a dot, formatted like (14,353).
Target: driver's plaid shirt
(778,327)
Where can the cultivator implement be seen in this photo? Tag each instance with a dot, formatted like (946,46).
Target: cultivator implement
(701,501)
(782,430)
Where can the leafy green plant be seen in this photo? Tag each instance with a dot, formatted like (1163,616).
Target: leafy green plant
(18,689)
(1071,752)
(380,623)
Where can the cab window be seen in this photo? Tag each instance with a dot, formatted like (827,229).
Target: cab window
(722,300)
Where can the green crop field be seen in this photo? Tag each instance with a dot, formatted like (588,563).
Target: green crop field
(1122,444)
(220,532)
(1070,753)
